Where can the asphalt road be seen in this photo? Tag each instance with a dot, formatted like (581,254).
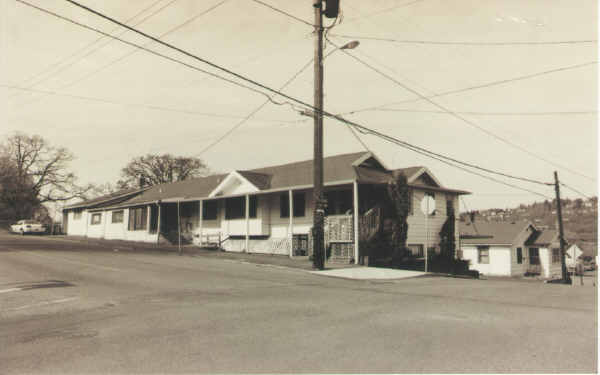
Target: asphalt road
(69,308)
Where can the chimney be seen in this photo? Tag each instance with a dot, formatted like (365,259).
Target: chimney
(142,181)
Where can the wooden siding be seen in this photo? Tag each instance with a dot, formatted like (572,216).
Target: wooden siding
(417,223)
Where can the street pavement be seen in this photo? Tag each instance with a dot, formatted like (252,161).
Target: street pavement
(68,307)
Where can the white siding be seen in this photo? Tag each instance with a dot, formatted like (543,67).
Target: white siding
(499,260)
(549,269)
(95,230)
(116,231)
(77,227)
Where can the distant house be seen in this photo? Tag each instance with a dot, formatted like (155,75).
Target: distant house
(509,249)
(270,209)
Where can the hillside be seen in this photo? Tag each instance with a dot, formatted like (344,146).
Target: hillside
(580,218)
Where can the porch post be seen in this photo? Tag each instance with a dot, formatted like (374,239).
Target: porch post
(200,220)
(148,212)
(291,229)
(247,223)
(356,213)
(158,225)
(178,229)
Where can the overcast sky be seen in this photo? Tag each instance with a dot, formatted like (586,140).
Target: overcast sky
(551,116)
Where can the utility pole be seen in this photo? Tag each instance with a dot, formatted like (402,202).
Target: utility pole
(319,212)
(561,235)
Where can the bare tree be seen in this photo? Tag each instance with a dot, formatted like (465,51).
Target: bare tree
(159,169)
(35,172)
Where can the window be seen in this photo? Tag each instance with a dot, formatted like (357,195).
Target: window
(449,206)
(483,254)
(96,219)
(77,215)
(416,250)
(235,207)
(534,255)
(284,205)
(117,216)
(299,205)
(138,218)
(253,206)
(519,255)
(459,254)
(555,255)
(210,210)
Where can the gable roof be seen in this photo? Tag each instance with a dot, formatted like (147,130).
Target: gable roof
(260,180)
(491,233)
(543,238)
(337,170)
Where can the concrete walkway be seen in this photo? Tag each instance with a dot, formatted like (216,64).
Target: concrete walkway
(369,273)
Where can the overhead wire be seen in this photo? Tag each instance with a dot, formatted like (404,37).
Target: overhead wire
(140,105)
(362,129)
(253,112)
(214,75)
(474,113)
(67,58)
(90,52)
(476,87)
(575,190)
(456,115)
(283,12)
(135,50)
(386,10)
(468,43)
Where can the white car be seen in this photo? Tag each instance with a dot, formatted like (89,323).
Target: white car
(27,226)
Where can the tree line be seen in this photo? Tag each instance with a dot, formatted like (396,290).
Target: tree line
(35,174)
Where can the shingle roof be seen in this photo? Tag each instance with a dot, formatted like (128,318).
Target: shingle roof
(543,238)
(260,180)
(108,198)
(336,169)
(490,233)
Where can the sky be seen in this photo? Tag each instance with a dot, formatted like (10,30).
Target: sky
(110,102)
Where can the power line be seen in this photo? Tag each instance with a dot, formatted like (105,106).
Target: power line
(283,12)
(446,110)
(123,57)
(575,190)
(476,87)
(442,159)
(362,129)
(68,65)
(456,115)
(561,113)
(147,106)
(52,66)
(386,10)
(151,51)
(256,110)
(464,43)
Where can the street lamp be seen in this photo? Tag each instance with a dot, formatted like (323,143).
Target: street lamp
(319,251)
(350,45)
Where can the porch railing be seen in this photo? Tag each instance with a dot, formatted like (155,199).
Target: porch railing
(370,223)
